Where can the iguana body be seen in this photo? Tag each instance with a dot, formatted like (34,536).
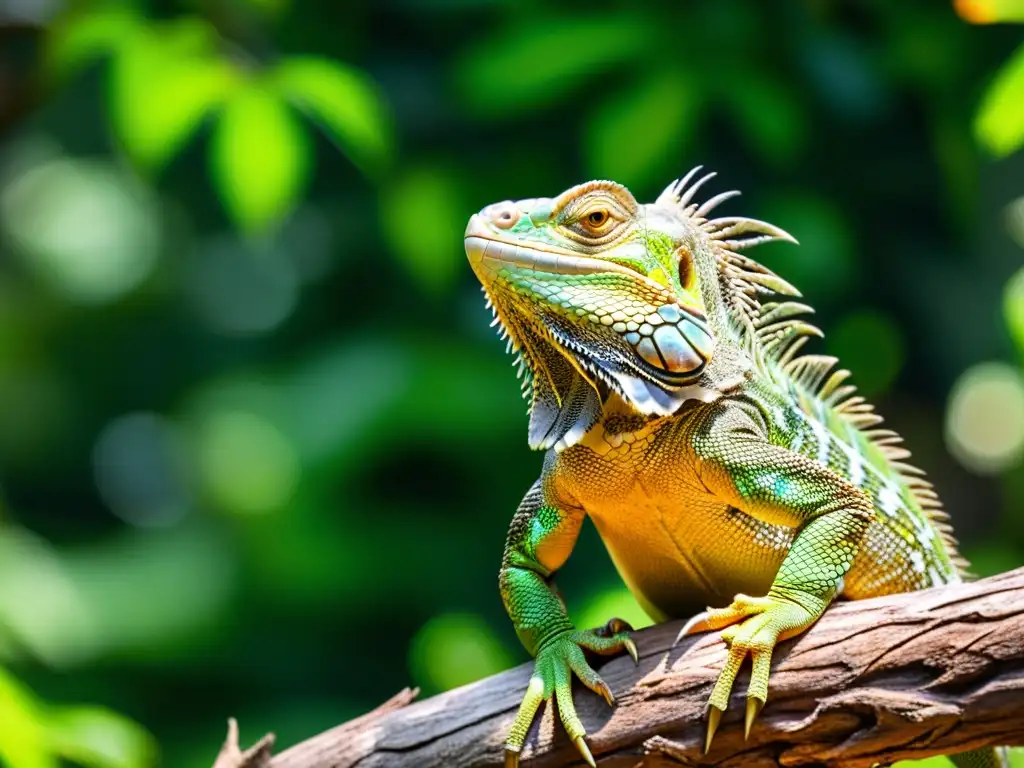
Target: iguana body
(716,461)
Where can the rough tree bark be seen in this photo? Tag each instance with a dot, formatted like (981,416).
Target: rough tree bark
(906,676)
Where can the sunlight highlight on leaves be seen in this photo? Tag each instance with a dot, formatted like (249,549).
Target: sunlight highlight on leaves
(260,157)
(999,123)
(35,735)
(99,738)
(179,96)
(989,11)
(165,78)
(22,737)
(79,39)
(345,102)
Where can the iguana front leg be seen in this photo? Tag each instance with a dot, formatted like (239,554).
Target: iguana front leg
(540,539)
(739,464)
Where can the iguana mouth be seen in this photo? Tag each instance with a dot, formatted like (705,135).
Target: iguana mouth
(482,245)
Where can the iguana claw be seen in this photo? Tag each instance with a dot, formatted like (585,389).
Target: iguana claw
(753,710)
(630,647)
(714,718)
(697,623)
(581,745)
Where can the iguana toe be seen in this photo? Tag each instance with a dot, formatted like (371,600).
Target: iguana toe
(751,626)
(557,661)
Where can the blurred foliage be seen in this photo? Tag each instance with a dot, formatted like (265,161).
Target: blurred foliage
(258,447)
(999,124)
(166,77)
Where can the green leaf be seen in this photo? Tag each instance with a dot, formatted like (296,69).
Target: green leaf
(345,102)
(663,110)
(423,219)
(171,109)
(260,157)
(22,737)
(99,738)
(79,39)
(999,123)
(534,63)
(165,80)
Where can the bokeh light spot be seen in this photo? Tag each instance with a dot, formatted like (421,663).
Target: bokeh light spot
(454,649)
(40,603)
(985,418)
(423,218)
(248,464)
(989,11)
(1014,214)
(84,227)
(138,461)
(242,288)
(617,602)
(1013,308)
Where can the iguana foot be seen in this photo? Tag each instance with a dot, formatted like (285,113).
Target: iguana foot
(750,625)
(556,662)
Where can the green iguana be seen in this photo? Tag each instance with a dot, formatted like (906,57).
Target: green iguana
(721,465)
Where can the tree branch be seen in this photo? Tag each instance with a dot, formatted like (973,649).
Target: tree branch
(905,676)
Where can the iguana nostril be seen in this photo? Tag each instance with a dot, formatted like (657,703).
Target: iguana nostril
(502,215)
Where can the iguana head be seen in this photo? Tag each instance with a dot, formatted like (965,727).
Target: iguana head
(601,294)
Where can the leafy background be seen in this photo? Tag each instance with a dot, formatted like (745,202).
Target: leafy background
(258,448)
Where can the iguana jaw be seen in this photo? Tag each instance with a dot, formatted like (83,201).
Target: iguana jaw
(482,246)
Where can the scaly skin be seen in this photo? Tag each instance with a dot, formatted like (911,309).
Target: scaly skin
(721,467)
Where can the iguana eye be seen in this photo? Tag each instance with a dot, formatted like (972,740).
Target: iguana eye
(593,220)
(596,222)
